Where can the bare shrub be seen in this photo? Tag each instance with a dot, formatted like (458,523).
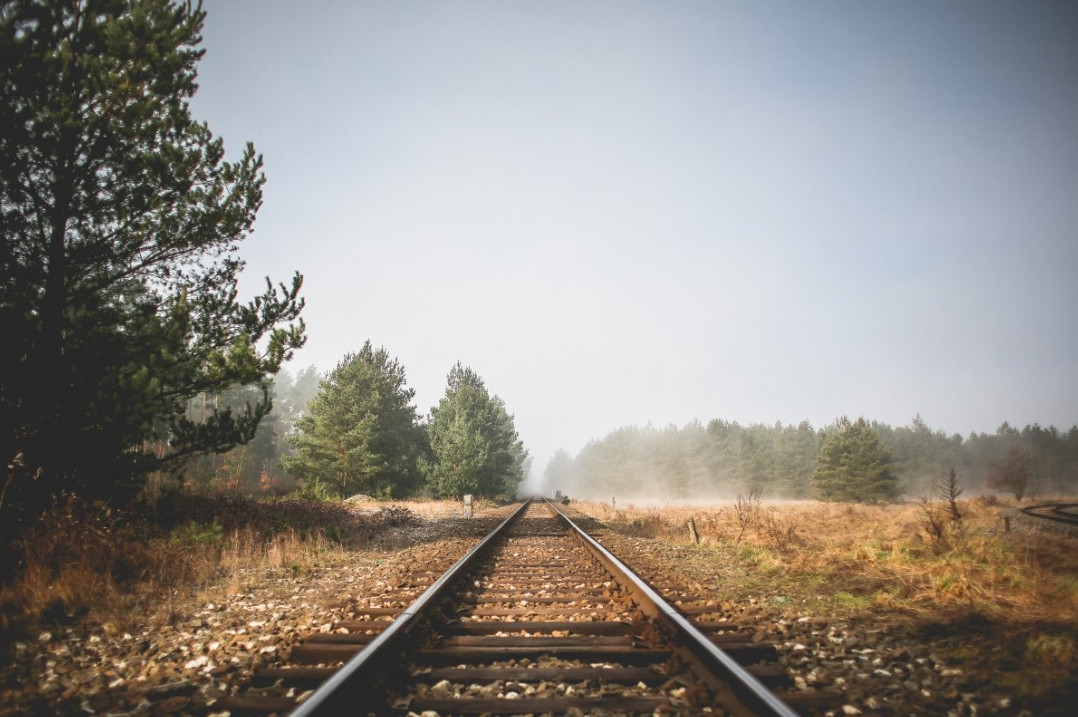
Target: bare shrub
(943,523)
(1012,473)
(935,524)
(747,513)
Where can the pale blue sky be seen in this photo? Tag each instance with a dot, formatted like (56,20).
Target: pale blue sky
(623,212)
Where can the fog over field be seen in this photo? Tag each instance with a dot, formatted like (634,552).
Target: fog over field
(634,213)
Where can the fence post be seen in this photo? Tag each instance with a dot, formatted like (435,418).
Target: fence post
(693,535)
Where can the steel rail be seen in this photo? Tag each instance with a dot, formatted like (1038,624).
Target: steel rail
(752,693)
(347,686)
(1058,512)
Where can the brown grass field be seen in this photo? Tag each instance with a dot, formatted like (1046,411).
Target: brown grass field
(1004,604)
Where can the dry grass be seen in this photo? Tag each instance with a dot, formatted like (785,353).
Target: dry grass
(884,556)
(432,509)
(1003,605)
(82,557)
(85,560)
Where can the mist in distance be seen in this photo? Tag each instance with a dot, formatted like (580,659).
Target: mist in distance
(623,213)
(725,461)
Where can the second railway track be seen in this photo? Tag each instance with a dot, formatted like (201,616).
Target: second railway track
(1060,513)
(537,619)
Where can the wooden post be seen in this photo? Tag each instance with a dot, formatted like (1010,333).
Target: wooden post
(693,535)
(1006,524)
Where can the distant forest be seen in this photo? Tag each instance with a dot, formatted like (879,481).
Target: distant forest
(725,459)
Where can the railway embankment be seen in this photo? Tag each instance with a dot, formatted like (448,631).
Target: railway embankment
(889,636)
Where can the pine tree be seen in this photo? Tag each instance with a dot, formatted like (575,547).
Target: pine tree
(121,223)
(854,465)
(360,432)
(474,441)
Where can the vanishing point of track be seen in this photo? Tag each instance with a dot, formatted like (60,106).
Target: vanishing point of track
(538,618)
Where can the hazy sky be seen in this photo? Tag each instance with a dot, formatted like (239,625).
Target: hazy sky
(623,212)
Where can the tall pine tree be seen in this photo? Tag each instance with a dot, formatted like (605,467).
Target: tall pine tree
(121,222)
(475,444)
(360,433)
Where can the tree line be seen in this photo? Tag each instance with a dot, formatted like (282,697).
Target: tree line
(355,430)
(361,434)
(848,460)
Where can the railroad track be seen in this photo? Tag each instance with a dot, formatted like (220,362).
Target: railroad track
(1062,513)
(536,619)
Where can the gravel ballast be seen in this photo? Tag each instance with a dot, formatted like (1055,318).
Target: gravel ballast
(181,658)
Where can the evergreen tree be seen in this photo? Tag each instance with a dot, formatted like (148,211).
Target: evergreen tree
(724,451)
(121,223)
(360,433)
(474,441)
(798,448)
(694,443)
(855,465)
